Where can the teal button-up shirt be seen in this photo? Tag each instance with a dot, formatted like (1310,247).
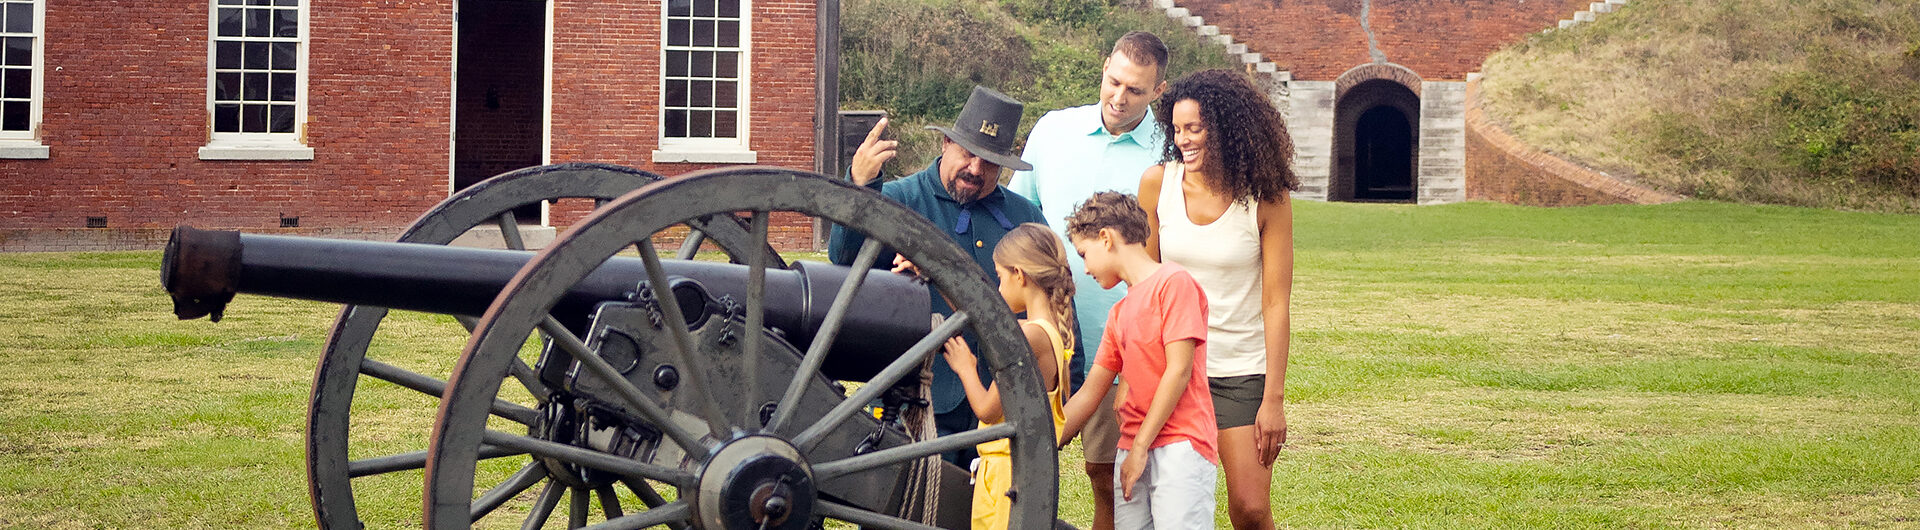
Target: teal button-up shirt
(1073,157)
(975,226)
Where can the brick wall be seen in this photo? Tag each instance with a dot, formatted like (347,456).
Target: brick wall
(125,113)
(1442,40)
(607,93)
(1502,168)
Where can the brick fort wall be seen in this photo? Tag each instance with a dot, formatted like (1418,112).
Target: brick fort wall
(1442,40)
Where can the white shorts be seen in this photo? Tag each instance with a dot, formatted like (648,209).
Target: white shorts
(1176,491)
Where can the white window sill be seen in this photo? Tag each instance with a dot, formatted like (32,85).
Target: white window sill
(672,155)
(275,151)
(23,150)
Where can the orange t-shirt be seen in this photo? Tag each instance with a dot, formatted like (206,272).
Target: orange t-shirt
(1168,306)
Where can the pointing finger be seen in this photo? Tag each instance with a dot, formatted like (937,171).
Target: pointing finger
(874,135)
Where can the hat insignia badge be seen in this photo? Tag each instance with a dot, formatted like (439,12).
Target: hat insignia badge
(989,128)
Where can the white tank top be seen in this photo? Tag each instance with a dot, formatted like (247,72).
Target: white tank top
(1224,256)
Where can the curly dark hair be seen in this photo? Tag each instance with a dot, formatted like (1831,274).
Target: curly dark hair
(1110,209)
(1249,153)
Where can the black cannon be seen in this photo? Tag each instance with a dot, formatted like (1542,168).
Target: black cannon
(723,383)
(890,309)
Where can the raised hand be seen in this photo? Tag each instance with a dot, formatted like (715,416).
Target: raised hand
(873,153)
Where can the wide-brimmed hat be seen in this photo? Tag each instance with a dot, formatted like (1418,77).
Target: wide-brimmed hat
(986,127)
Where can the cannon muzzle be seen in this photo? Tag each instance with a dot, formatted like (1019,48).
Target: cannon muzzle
(203,269)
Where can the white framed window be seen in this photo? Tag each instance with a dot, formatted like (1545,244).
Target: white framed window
(256,81)
(703,82)
(21,77)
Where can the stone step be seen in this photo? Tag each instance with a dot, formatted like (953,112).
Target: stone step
(1583,16)
(1162,4)
(1223,40)
(1194,21)
(1600,7)
(1236,49)
(1178,12)
(1564,24)
(1267,68)
(1208,30)
(1250,58)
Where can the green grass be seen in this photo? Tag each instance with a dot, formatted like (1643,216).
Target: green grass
(1693,365)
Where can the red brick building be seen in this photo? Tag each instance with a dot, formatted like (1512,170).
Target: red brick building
(121,119)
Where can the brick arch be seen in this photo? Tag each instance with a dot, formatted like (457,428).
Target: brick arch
(1367,72)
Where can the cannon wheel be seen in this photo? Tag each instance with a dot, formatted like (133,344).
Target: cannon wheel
(708,479)
(330,472)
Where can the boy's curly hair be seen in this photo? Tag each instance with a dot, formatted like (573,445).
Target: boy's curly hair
(1249,153)
(1109,209)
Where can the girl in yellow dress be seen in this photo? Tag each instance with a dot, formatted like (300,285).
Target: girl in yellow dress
(1034,278)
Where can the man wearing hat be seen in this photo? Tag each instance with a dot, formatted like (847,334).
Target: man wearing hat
(960,192)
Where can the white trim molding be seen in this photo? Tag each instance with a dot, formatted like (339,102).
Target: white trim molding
(706,44)
(23,150)
(264,151)
(23,75)
(675,155)
(248,78)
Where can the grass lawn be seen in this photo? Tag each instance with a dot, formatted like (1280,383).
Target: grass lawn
(1472,365)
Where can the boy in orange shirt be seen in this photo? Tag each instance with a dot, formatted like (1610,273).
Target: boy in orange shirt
(1156,341)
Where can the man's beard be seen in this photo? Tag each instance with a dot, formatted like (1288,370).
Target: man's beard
(975,192)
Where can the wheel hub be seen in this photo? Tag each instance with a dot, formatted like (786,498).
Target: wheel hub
(755,482)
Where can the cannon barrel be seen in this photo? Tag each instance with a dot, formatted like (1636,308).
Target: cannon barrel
(203,269)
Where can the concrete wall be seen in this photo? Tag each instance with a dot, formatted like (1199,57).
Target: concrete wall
(1441,176)
(1310,122)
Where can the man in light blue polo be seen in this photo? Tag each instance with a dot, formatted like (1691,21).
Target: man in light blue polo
(1076,152)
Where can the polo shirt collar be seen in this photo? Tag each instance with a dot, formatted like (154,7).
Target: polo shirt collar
(1141,134)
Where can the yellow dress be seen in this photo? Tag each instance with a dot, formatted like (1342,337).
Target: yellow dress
(991,507)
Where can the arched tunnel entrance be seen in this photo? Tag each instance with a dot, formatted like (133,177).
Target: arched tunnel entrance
(1376,143)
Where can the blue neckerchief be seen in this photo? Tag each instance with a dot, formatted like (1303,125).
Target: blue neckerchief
(992,202)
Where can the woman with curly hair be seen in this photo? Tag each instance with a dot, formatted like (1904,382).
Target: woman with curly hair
(1218,207)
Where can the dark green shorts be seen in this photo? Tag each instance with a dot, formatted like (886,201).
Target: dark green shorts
(1236,400)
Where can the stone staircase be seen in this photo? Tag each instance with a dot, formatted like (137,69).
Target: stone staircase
(1593,12)
(1269,75)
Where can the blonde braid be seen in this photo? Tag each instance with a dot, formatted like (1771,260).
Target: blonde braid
(1060,297)
(1035,251)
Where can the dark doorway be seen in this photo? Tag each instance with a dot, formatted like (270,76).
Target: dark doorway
(1383,156)
(1376,139)
(499,91)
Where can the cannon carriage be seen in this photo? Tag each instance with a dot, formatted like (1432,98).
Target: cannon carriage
(724,384)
